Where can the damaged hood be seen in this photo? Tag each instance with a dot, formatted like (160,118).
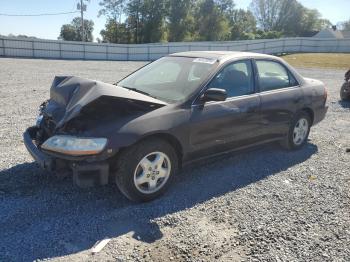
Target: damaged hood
(70,94)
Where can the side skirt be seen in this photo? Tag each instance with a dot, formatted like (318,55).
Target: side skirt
(194,160)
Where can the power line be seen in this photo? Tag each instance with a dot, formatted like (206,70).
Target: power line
(45,14)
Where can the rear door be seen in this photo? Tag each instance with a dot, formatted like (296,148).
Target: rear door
(280,94)
(229,123)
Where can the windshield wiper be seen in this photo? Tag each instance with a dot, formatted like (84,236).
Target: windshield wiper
(139,91)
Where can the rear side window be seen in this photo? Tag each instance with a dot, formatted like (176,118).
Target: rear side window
(272,75)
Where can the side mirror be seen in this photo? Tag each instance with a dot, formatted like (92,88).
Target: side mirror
(214,94)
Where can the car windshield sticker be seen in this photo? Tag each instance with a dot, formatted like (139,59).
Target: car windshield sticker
(204,60)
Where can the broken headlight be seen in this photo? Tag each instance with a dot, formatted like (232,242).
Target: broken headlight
(74,146)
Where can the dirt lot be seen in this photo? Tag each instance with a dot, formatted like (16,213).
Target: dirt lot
(264,204)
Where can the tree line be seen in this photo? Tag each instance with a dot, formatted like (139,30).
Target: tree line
(149,21)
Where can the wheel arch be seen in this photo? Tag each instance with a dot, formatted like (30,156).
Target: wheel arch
(171,139)
(310,112)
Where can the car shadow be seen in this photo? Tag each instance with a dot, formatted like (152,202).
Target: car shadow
(45,217)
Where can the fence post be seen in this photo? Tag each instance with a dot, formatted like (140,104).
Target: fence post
(33,53)
(3,47)
(60,49)
(107,51)
(127,53)
(264,47)
(337,50)
(84,55)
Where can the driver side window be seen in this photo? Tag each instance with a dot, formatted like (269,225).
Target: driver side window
(236,78)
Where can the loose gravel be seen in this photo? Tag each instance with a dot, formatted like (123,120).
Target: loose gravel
(264,204)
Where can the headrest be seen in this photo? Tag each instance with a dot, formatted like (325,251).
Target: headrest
(235,76)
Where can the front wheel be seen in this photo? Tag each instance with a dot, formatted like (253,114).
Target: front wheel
(298,132)
(146,169)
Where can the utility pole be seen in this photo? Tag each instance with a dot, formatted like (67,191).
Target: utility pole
(82,19)
(82,8)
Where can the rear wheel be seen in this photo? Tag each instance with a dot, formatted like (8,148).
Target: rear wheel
(298,132)
(146,169)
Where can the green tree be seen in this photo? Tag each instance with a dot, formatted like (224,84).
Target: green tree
(312,22)
(287,16)
(226,7)
(135,20)
(109,34)
(276,15)
(243,25)
(212,21)
(73,31)
(154,13)
(113,10)
(181,21)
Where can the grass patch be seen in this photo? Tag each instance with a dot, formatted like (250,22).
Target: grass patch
(319,60)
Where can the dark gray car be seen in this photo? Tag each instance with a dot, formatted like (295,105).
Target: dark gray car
(180,108)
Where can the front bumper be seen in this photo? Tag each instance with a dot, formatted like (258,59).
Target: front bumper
(45,161)
(86,171)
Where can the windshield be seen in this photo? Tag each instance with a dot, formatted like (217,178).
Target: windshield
(171,79)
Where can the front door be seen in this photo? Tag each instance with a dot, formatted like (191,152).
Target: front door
(235,122)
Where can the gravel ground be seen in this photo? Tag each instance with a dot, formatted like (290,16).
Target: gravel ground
(264,204)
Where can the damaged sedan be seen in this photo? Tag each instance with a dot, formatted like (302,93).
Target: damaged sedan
(183,107)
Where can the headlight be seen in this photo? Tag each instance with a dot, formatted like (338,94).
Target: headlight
(74,146)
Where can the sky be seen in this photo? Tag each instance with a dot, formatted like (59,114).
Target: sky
(48,27)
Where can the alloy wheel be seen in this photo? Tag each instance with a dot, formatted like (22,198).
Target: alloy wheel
(152,172)
(300,131)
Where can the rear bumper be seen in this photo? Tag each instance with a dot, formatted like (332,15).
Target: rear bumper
(320,114)
(82,170)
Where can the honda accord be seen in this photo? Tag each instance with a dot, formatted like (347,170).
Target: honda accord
(183,107)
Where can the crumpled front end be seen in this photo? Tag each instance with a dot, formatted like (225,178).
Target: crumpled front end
(76,127)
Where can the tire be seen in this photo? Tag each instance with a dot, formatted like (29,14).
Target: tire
(345,91)
(297,134)
(141,174)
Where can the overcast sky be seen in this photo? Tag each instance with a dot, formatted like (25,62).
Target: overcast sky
(48,27)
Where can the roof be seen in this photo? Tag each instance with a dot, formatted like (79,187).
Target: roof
(329,33)
(219,55)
